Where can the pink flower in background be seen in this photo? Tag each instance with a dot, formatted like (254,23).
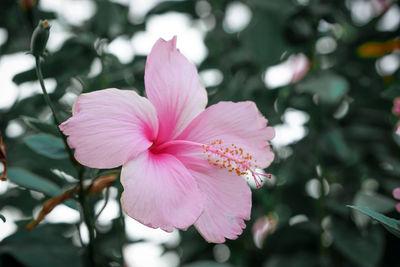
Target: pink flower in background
(262,228)
(396,106)
(181,163)
(300,65)
(396,195)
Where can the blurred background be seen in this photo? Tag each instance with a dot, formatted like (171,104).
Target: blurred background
(324,72)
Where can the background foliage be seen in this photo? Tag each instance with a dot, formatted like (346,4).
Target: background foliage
(349,145)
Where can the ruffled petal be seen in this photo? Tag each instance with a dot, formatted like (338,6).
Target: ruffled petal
(239,124)
(173,86)
(228,204)
(109,127)
(160,192)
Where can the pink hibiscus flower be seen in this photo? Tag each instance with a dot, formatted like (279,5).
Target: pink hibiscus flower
(182,164)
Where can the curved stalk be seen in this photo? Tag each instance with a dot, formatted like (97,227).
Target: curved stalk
(82,192)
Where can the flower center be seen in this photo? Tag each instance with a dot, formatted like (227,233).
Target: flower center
(234,159)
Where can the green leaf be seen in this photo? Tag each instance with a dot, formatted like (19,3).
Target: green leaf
(33,182)
(391,93)
(2,218)
(375,201)
(47,145)
(328,86)
(364,249)
(41,126)
(390,224)
(263,37)
(22,156)
(46,245)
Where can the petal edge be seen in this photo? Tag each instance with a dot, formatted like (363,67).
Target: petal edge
(109,127)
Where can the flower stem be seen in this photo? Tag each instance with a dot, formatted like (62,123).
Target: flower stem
(53,111)
(86,218)
(80,168)
(122,234)
(106,198)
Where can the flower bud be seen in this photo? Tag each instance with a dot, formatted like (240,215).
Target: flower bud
(39,38)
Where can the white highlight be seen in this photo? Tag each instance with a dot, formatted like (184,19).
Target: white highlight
(388,64)
(292,130)
(74,12)
(190,40)
(122,48)
(149,255)
(9,66)
(237,17)
(62,214)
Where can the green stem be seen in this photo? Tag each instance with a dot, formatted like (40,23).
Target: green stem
(46,95)
(122,234)
(86,218)
(106,198)
(53,111)
(82,192)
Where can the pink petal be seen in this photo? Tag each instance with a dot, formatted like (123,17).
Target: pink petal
(300,65)
(398,130)
(227,205)
(262,228)
(396,193)
(174,88)
(160,192)
(240,124)
(110,127)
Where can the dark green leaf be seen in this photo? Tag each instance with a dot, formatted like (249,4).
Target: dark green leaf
(33,182)
(329,87)
(374,201)
(47,145)
(390,224)
(41,126)
(263,37)
(362,249)
(392,92)
(43,246)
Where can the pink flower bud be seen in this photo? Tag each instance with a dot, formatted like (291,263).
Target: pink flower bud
(261,228)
